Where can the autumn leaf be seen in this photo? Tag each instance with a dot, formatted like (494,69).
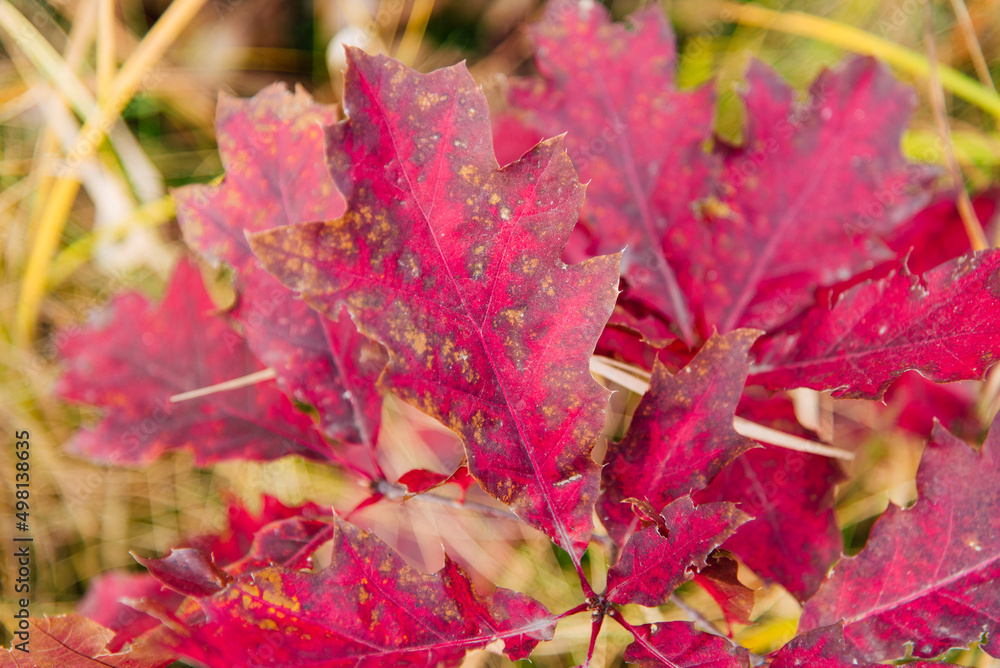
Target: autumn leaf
(453,265)
(806,200)
(272,149)
(138,355)
(681,434)
(719,579)
(793,538)
(368,608)
(660,558)
(77,642)
(679,645)
(610,87)
(929,575)
(104,604)
(825,648)
(739,236)
(945,324)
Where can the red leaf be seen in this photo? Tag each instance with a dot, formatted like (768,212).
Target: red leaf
(681,435)
(825,648)
(733,597)
(945,324)
(139,355)
(929,575)
(807,198)
(103,604)
(272,148)
(611,88)
(660,558)
(741,236)
(452,264)
(369,608)
(74,641)
(916,402)
(419,481)
(235,542)
(793,538)
(936,234)
(187,571)
(679,645)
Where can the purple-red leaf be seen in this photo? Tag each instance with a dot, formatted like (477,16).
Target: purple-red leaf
(804,202)
(733,597)
(945,324)
(630,133)
(929,575)
(367,609)
(679,645)
(187,571)
(793,538)
(453,265)
(681,435)
(658,559)
(73,641)
(138,355)
(104,604)
(825,648)
(739,236)
(272,148)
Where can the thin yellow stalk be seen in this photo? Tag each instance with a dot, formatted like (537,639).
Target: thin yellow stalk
(105,48)
(242,381)
(600,366)
(858,41)
(973,228)
(972,43)
(124,86)
(416,25)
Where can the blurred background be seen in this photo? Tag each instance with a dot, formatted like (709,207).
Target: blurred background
(146,74)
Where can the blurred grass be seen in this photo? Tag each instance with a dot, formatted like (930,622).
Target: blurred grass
(148,73)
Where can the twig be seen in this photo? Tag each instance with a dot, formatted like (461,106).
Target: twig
(243,381)
(973,228)
(600,367)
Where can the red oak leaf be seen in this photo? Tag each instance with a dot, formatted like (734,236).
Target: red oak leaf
(252,541)
(272,148)
(936,233)
(733,597)
(825,648)
(77,642)
(915,402)
(611,88)
(104,604)
(368,608)
(793,538)
(930,574)
(679,645)
(718,240)
(453,265)
(945,324)
(419,481)
(138,355)
(244,525)
(660,558)
(805,201)
(681,435)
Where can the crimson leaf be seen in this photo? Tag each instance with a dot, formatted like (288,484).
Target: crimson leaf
(930,574)
(945,324)
(681,435)
(138,355)
(272,148)
(453,265)
(368,608)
